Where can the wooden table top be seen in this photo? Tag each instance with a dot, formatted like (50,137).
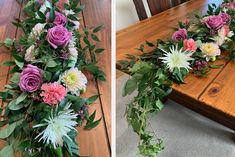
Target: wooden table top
(217,90)
(97,142)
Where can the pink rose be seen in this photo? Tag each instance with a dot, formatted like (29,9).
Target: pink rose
(213,22)
(58,36)
(60,19)
(181,34)
(190,45)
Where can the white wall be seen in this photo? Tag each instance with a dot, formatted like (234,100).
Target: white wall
(126,13)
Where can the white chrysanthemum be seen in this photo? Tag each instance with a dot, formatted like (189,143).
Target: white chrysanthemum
(177,58)
(77,24)
(74,80)
(58,125)
(29,55)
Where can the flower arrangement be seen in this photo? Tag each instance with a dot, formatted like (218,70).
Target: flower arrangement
(43,103)
(194,47)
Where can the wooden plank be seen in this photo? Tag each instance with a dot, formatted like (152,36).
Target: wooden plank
(94,142)
(221,92)
(99,13)
(6,30)
(160,27)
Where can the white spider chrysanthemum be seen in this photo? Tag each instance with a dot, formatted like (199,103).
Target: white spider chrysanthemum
(177,58)
(58,125)
(74,80)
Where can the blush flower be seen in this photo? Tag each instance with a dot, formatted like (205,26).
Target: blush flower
(190,45)
(58,36)
(210,50)
(181,34)
(60,19)
(213,22)
(53,93)
(30,79)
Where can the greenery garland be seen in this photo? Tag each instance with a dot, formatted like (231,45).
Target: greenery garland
(43,105)
(194,46)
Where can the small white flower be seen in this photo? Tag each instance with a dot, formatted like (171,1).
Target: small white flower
(177,58)
(68,12)
(37,30)
(58,125)
(43,8)
(29,55)
(230,34)
(74,80)
(77,24)
(220,39)
(72,48)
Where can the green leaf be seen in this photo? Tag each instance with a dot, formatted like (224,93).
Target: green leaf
(72,17)
(15,78)
(92,99)
(21,98)
(159,104)
(51,64)
(92,117)
(41,15)
(97,29)
(19,64)
(7,151)
(52,15)
(14,107)
(216,66)
(92,125)
(47,75)
(8,42)
(9,63)
(7,131)
(129,87)
(99,50)
(95,38)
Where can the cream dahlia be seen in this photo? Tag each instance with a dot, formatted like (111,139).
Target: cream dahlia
(74,80)
(210,50)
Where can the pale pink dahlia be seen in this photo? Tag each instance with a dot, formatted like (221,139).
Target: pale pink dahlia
(53,93)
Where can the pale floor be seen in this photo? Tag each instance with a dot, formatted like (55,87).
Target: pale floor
(186,134)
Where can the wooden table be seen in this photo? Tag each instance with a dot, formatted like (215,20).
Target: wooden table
(97,142)
(213,96)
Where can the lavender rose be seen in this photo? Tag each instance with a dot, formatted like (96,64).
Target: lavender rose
(30,79)
(60,19)
(58,36)
(181,34)
(213,22)
(226,17)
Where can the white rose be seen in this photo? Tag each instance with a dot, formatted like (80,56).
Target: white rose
(37,30)
(29,56)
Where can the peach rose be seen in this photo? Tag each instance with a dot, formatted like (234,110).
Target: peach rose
(190,45)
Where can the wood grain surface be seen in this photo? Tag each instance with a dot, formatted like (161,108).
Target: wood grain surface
(96,142)
(214,92)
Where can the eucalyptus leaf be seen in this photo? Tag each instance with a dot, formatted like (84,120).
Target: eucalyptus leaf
(7,151)
(7,131)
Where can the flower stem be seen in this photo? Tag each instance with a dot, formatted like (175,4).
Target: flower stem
(58,152)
